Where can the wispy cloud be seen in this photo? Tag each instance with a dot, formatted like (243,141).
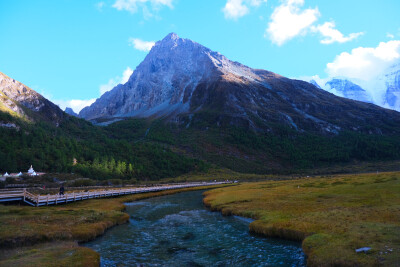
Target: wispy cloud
(365,63)
(332,35)
(116,80)
(100,6)
(133,6)
(288,21)
(389,35)
(141,45)
(235,9)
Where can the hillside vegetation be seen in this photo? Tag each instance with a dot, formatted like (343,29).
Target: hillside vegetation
(97,152)
(145,149)
(282,151)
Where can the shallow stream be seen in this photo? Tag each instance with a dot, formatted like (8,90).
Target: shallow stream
(177,230)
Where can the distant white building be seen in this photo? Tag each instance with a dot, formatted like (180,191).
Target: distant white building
(32,172)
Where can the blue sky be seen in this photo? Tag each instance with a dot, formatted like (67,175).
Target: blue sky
(74,50)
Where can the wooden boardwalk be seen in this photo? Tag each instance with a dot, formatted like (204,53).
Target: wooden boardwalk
(45,200)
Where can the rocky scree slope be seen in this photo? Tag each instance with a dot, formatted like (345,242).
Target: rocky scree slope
(18,99)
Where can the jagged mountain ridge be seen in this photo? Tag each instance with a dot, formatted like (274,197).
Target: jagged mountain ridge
(384,91)
(19,99)
(180,79)
(164,82)
(349,90)
(70,112)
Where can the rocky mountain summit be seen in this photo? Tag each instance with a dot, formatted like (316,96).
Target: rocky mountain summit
(185,82)
(349,90)
(19,99)
(70,111)
(164,83)
(386,88)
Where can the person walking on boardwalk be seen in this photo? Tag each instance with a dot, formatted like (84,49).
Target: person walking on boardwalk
(62,190)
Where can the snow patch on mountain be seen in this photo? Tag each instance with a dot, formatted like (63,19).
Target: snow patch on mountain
(383,91)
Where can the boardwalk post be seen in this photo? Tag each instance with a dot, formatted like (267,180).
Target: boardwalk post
(47,199)
(56,199)
(24,194)
(74,197)
(37,201)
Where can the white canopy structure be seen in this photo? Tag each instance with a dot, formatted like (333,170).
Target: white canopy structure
(31,171)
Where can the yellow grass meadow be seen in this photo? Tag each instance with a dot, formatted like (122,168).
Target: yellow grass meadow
(333,216)
(49,235)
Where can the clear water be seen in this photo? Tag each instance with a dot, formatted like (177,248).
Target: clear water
(177,230)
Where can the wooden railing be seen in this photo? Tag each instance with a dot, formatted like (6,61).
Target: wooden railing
(42,200)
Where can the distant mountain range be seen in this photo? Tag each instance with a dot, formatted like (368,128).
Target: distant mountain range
(180,79)
(388,83)
(185,108)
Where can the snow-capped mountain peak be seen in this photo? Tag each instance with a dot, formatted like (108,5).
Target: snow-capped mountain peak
(383,91)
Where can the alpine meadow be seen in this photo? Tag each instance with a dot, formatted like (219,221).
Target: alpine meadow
(198,156)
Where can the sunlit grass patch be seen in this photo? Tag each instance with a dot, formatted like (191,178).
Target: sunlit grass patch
(50,254)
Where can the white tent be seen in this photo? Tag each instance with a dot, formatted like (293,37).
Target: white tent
(6,174)
(19,174)
(31,171)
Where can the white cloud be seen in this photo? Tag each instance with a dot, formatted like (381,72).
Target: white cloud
(331,35)
(141,45)
(100,5)
(126,75)
(389,35)
(133,5)
(365,63)
(288,21)
(108,86)
(76,104)
(115,81)
(235,9)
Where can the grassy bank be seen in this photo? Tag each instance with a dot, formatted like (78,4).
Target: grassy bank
(27,232)
(50,254)
(331,215)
